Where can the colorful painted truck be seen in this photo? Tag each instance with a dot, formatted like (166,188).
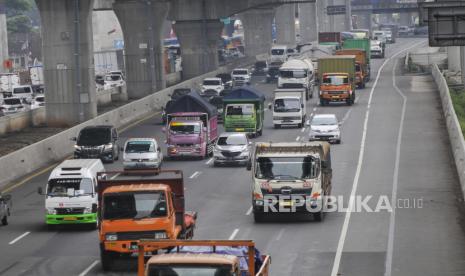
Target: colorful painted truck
(337,79)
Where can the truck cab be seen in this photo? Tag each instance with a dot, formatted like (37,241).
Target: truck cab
(337,79)
(278,53)
(297,73)
(289,107)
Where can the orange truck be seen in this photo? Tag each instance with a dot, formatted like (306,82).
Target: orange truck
(361,67)
(337,79)
(140,205)
(202,257)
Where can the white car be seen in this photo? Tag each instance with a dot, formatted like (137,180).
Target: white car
(212,87)
(232,148)
(381,36)
(24,92)
(325,127)
(240,76)
(376,49)
(12,105)
(113,80)
(38,102)
(142,153)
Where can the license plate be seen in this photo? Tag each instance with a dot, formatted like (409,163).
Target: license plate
(239,129)
(69,218)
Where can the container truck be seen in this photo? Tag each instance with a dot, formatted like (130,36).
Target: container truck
(7,81)
(337,79)
(361,67)
(191,127)
(202,257)
(297,73)
(363,43)
(290,176)
(289,107)
(244,111)
(332,38)
(140,205)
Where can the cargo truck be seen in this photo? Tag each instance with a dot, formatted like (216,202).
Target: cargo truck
(295,175)
(244,111)
(289,107)
(337,81)
(203,257)
(297,73)
(140,205)
(191,127)
(330,38)
(364,44)
(361,67)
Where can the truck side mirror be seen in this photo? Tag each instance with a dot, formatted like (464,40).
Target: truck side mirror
(249,165)
(40,191)
(269,106)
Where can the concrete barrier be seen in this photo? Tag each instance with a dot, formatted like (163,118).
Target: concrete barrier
(18,121)
(55,148)
(457,142)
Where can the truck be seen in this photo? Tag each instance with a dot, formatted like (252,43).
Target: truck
(202,257)
(140,205)
(244,111)
(361,67)
(278,53)
(191,127)
(37,75)
(361,43)
(297,73)
(294,175)
(337,79)
(7,81)
(5,208)
(273,71)
(394,28)
(330,38)
(289,107)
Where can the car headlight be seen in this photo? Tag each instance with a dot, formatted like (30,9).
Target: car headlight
(76,147)
(87,210)
(160,235)
(51,211)
(111,237)
(108,147)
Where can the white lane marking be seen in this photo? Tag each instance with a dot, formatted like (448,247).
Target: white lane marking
(346,116)
(92,265)
(249,211)
(302,130)
(234,233)
(209,161)
(395,180)
(18,238)
(345,226)
(280,234)
(297,139)
(194,175)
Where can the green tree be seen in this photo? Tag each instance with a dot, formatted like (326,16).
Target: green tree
(17,19)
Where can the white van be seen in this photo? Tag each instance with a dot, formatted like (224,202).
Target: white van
(24,92)
(289,107)
(71,193)
(278,53)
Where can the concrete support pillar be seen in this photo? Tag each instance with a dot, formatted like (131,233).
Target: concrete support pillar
(405,19)
(462,63)
(3,37)
(308,19)
(322,17)
(453,59)
(285,24)
(68,61)
(257,31)
(143,23)
(199,46)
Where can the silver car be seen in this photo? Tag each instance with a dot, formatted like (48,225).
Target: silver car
(142,153)
(232,148)
(325,127)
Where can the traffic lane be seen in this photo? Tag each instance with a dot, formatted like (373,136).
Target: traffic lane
(431,236)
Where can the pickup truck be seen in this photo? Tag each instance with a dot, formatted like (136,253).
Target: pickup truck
(5,207)
(140,205)
(204,257)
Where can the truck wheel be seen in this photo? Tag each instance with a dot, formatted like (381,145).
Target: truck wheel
(258,217)
(319,216)
(260,132)
(349,102)
(276,126)
(5,220)
(106,259)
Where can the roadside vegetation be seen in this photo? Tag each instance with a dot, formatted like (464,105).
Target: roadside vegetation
(458,99)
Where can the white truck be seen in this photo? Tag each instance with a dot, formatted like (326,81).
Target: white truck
(37,75)
(7,81)
(297,73)
(278,53)
(289,107)
(71,193)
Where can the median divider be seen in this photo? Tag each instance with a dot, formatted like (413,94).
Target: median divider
(457,141)
(39,155)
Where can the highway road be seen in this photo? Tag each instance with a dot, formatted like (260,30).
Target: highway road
(395,148)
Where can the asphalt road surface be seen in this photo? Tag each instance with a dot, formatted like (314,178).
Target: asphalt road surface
(395,149)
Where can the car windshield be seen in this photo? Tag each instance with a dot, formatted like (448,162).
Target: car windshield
(323,121)
(113,77)
(240,72)
(94,137)
(336,80)
(22,90)
(12,101)
(287,105)
(277,52)
(260,64)
(69,187)
(240,109)
(134,205)
(293,73)
(40,99)
(211,82)
(232,140)
(287,168)
(189,270)
(182,128)
(139,146)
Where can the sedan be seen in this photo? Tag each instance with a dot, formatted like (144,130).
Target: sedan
(325,127)
(232,148)
(142,153)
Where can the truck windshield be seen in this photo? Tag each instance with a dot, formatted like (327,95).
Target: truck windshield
(335,80)
(277,52)
(287,105)
(189,270)
(66,187)
(94,137)
(293,73)
(240,109)
(22,90)
(184,128)
(134,205)
(287,168)
(139,146)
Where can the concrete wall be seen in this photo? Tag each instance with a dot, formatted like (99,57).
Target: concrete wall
(19,121)
(55,148)
(457,142)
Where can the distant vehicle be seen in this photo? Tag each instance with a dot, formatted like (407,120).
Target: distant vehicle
(297,73)
(393,28)
(117,72)
(380,36)
(260,68)
(142,153)
(325,127)
(37,75)
(71,193)
(240,77)
(420,30)
(404,31)
(232,148)
(388,33)
(113,80)
(5,208)
(377,50)
(217,101)
(7,81)
(212,87)
(24,92)
(226,79)
(289,107)
(12,105)
(362,33)
(177,93)
(278,53)
(100,80)
(337,79)
(292,52)
(38,102)
(97,142)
